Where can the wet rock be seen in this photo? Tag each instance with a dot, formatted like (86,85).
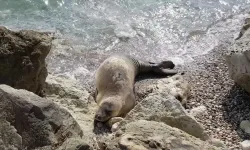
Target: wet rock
(238,61)
(142,135)
(22,59)
(29,121)
(245,145)
(198,111)
(245,125)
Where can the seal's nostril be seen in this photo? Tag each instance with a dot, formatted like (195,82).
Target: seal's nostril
(97,117)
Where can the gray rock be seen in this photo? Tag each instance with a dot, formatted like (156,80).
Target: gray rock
(76,100)
(75,144)
(238,60)
(198,111)
(67,91)
(22,63)
(175,85)
(9,138)
(245,125)
(165,108)
(161,105)
(217,143)
(39,123)
(245,145)
(143,135)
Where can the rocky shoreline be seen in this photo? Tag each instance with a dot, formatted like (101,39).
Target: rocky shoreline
(226,103)
(58,114)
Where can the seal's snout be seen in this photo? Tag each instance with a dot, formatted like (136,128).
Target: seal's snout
(101,117)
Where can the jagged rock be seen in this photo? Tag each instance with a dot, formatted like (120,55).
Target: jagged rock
(75,99)
(22,59)
(9,138)
(162,106)
(39,123)
(175,85)
(165,108)
(66,90)
(75,144)
(198,111)
(142,135)
(217,143)
(238,60)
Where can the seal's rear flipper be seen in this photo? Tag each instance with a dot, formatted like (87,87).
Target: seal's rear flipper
(166,64)
(165,71)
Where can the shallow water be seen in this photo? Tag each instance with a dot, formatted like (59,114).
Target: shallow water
(152,29)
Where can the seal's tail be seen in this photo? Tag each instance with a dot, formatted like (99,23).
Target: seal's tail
(163,68)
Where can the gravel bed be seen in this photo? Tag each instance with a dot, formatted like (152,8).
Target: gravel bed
(227,104)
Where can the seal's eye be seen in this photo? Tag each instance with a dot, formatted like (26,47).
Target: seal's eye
(108,106)
(108,112)
(109,109)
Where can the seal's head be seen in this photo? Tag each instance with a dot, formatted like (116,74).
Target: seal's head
(108,108)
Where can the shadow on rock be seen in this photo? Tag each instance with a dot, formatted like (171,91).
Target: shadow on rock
(152,75)
(101,128)
(236,105)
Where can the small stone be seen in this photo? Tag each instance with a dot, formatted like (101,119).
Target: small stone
(152,144)
(118,133)
(198,111)
(115,127)
(245,125)
(217,142)
(245,145)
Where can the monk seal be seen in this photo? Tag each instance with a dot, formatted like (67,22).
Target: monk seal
(114,81)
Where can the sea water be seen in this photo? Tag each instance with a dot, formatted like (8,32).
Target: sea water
(153,29)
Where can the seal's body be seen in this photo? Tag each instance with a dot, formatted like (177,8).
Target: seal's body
(114,80)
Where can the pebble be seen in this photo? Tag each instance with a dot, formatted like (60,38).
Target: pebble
(198,111)
(245,125)
(217,142)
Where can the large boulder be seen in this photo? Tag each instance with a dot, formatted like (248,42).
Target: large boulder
(144,135)
(162,105)
(238,59)
(22,59)
(68,94)
(28,121)
(165,108)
